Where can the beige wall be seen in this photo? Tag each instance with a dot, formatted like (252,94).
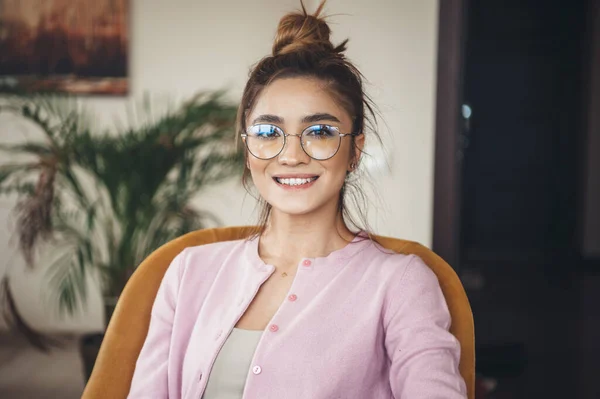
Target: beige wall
(182,46)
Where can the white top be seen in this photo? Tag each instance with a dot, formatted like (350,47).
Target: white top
(228,375)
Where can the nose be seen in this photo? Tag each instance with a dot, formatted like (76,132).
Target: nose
(292,153)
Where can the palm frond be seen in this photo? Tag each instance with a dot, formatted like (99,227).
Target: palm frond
(67,273)
(67,276)
(34,214)
(12,171)
(37,149)
(20,188)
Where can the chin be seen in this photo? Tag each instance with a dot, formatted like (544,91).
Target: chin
(301,203)
(302,206)
(294,209)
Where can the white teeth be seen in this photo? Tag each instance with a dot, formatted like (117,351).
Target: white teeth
(295,181)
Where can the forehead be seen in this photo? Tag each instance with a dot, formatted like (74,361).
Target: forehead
(294,98)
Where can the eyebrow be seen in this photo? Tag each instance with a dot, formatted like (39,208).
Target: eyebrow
(268,118)
(319,118)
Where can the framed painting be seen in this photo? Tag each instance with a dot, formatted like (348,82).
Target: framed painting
(64,46)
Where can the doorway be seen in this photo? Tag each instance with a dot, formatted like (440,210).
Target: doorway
(510,125)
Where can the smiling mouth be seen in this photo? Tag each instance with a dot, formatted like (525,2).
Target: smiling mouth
(295,181)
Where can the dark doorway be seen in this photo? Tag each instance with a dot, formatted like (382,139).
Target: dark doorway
(506,213)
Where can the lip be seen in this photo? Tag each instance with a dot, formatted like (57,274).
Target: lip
(295,176)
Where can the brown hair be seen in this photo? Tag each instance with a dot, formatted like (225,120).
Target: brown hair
(302,48)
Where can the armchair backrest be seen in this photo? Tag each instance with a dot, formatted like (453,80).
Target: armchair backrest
(128,327)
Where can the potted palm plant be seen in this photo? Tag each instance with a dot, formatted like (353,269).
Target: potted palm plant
(97,203)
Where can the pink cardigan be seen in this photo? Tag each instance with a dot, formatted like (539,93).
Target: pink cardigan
(360,323)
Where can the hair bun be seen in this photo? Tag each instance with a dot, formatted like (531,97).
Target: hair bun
(300,31)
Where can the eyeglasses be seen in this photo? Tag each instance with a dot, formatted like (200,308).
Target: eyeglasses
(320,142)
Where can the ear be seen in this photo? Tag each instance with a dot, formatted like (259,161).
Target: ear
(359,144)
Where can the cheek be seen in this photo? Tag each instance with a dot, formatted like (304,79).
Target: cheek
(255,163)
(257,168)
(337,169)
(341,161)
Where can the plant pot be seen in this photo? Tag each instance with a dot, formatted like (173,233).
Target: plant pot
(90,343)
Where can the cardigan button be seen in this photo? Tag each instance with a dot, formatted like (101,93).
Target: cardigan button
(292,298)
(256,370)
(274,328)
(306,262)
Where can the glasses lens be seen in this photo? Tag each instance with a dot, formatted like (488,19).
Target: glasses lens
(321,141)
(264,141)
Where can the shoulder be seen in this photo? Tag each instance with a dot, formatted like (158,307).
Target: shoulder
(398,267)
(215,248)
(213,254)
(197,266)
(204,254)
(407,278)
(414,293)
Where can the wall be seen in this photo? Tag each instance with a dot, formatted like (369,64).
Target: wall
(182,46)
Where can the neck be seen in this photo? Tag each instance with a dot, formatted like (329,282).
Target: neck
(288,238)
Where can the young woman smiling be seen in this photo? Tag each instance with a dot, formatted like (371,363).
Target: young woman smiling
(306,308)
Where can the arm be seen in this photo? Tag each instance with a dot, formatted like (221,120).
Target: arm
(150,376)
(424,354)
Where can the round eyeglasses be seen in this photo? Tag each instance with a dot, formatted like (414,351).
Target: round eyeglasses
(320,142)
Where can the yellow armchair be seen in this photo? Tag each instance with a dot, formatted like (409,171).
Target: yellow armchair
(126,332)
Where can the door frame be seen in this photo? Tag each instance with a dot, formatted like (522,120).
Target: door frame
(447,168)
(590,264)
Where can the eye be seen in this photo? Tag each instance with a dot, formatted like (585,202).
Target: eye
(264,132)
(321,132)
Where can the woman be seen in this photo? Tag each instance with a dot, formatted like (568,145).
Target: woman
(306,308)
